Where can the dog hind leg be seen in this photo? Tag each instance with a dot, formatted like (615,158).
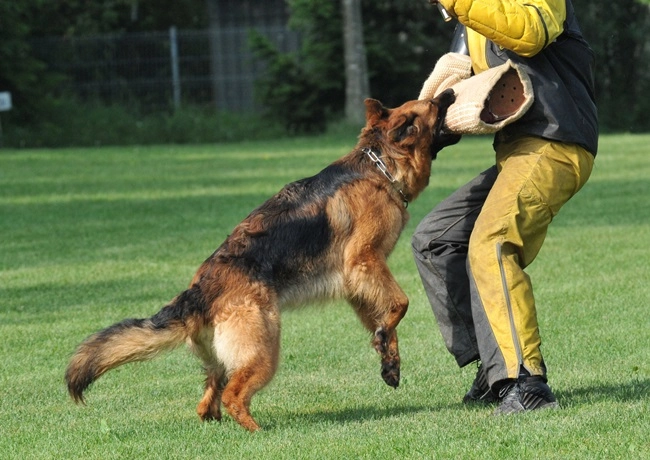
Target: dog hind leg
(209,408)
(248,344)
(239,391)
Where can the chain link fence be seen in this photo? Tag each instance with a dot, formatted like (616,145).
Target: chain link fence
(163,70)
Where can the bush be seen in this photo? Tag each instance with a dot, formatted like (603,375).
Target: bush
(287,91)
(72,123)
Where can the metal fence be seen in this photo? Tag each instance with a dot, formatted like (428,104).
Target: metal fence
(160,70)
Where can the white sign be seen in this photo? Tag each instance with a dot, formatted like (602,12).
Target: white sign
(5,101)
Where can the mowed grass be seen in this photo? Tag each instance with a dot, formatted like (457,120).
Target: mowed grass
(92,236)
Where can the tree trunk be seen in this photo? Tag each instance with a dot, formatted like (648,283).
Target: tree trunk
(357,87)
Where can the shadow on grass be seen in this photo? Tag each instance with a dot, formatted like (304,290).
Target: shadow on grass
(354,415)
(632,390)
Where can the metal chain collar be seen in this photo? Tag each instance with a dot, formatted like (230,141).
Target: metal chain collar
(382,167)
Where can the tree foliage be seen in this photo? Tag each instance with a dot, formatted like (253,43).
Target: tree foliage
(287,91)
(30,82)
(619,34)
(20,73)
(403,40)
(302,88)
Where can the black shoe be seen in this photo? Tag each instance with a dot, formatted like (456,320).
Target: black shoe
(530,393)
(480,391)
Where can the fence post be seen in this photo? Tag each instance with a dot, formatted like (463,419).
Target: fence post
(176,80)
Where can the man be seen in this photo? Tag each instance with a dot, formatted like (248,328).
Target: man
(472,249)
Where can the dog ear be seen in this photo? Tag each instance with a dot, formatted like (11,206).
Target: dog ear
(402,130)
(375,111)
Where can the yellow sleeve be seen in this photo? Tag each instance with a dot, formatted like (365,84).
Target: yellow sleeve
(523,26)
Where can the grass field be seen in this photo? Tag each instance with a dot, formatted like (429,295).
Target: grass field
(92,236)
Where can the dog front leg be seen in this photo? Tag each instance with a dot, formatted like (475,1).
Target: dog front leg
(386,346)
(380,304)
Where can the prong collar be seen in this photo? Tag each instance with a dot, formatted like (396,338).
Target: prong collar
(382,167)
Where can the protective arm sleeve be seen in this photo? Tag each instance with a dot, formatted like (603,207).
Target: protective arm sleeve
(523,26)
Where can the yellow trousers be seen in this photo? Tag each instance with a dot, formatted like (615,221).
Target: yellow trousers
(472,249)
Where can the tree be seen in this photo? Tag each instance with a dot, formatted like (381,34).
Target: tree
(402,40)
(619,39)
(357,87)
(21,74)
(302,88)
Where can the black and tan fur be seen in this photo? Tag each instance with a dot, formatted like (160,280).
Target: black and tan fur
(322,237)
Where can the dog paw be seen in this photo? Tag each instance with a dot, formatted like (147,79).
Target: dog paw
(209,413)
(390,373)
(209,417)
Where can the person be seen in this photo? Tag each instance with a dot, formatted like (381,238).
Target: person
(472,250)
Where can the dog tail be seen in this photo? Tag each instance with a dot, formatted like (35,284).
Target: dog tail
(134,340)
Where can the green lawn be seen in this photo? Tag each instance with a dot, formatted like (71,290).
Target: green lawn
(92,236)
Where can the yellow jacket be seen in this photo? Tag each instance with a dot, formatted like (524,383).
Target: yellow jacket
(523,26)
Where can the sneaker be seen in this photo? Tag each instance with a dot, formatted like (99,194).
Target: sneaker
(530,393)
(480,391)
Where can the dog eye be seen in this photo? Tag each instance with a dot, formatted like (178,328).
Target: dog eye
(405,130)
(410,129)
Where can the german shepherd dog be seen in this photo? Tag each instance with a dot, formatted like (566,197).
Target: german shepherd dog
(326,236)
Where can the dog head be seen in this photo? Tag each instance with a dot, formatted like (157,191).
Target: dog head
(409,136)
(413,125)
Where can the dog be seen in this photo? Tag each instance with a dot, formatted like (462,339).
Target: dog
(326,236)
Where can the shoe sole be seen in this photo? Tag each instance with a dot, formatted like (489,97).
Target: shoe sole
(521,408)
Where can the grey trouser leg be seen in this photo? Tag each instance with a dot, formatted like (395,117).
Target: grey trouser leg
(440,245)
